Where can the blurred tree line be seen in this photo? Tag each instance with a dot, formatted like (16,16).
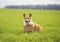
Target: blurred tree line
(50,6)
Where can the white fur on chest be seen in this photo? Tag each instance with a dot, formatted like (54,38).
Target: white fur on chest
(30,23)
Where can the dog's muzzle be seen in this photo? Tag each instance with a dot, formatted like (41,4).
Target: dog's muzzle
(27,21)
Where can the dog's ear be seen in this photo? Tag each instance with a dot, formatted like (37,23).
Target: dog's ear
(24,15)
(30,15)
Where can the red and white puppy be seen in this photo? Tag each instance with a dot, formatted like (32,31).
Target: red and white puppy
(29,25)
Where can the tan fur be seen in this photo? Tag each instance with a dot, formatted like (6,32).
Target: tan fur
(33,27)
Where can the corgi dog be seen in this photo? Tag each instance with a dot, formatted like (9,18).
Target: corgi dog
(29,25)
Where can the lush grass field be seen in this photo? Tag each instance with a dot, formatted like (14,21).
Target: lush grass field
(11,26)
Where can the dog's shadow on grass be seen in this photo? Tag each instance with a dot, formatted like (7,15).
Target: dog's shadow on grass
(23,32)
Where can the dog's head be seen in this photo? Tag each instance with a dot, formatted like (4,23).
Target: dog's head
(27,19)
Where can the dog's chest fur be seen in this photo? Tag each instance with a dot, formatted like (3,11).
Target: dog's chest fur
(29,27)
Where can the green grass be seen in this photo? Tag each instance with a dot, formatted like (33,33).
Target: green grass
(11,26)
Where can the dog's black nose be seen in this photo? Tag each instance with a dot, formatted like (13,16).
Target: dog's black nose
(26,21)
